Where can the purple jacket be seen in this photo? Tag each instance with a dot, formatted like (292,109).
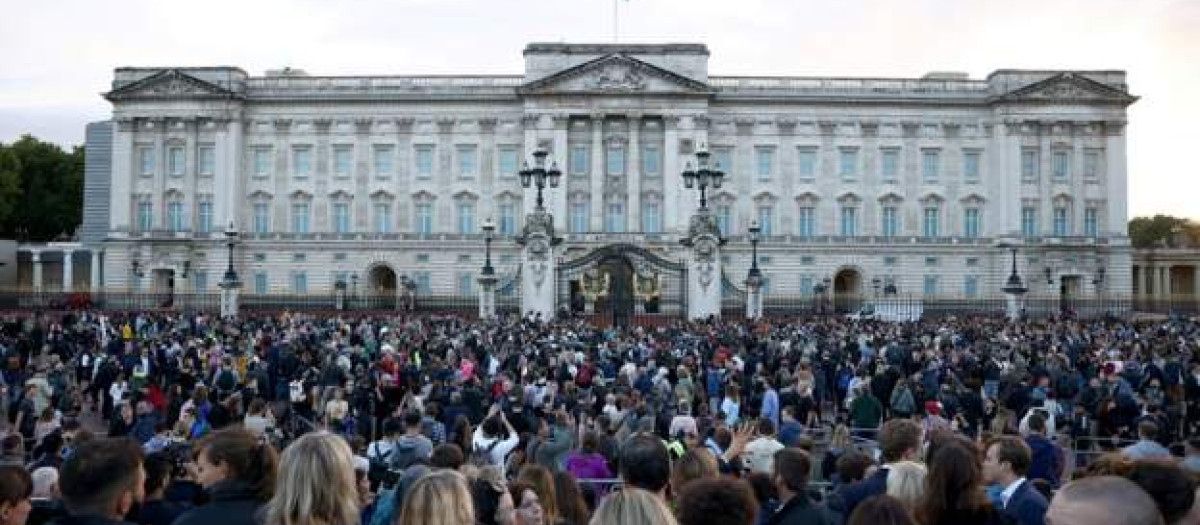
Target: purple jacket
(588,466)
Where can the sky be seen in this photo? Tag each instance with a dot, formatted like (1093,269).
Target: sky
(58,55)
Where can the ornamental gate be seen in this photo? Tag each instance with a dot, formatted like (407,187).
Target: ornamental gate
(623,285)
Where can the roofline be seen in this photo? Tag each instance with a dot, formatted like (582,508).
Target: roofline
(681,48)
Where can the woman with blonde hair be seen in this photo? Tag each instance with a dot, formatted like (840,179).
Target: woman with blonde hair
(906,483)
(633,506)
(438,498)
(316,483)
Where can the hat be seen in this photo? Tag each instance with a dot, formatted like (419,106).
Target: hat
(933,408)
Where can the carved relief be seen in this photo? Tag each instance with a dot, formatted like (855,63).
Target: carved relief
(617,77)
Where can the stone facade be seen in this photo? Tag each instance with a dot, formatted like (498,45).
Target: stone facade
(911,182)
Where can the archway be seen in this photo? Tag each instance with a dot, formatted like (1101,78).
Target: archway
(847,289)
(381,287)
(619,303)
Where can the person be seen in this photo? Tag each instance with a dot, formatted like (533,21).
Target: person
(438,498)
(632,506)
(45,501)
(494,439)
(572,508)
(238,473)
(102,481)
(588,462)
(866,412)
(646,464)
(696,463)
(881,510)
(542,481)
(412,446)
(760,452)
(1103,500)
(529,507)
(1006,463)
(157,510)
(379,455)
(316,483)
(1146,446)
(493,503)
(1191,455)
(899,440)
(717,501)
(16,487)
(954,490)
(790,476)
(1173,489)
(906,483)
(1045,460)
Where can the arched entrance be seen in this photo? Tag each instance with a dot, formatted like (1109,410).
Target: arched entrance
(381,288)
(619,302)
(622,284)
(847,290)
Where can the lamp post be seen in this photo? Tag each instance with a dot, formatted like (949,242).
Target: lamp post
(1014,288)
(353,288)
(754,279)
(488,228)
(339,292)
(487,277)
(539,176)
(230,282)
(703,176)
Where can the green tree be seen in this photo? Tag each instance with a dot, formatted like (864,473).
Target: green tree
(1149,232)
(49,185)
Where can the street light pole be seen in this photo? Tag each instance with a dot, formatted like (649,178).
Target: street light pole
(230,283)
(703,176)
(488,228)
(539,176)
(487,278)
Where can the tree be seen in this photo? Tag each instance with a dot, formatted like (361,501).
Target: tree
(1150,232)
(48,198)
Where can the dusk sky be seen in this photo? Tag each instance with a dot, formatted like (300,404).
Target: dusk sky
(59,54)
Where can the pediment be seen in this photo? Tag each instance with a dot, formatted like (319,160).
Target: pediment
(1068,88)
(169,84)
(616,74)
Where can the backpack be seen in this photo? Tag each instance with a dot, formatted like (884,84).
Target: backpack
(379,472)
(482,456)
(404,454)
(225,381)
(297,391)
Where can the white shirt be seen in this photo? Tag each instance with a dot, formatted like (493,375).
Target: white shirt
(1008,491)
(500,450)
(760,454)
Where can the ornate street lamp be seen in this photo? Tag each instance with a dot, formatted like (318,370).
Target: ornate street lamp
(704,176)
(1014,285)
(755,273)
(488,228)
(231,238)
(539,176)
(875,284)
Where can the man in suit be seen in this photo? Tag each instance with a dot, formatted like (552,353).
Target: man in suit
(899,440)
(1006,464)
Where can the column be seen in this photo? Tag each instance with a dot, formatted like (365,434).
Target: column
(634,171)
(36,257)
(1166,271)
(1115,177)
(123,175)
(94,284)
(1144,287)
(68,271)
(596,202)
(556,199)
(672,183)
(529,196)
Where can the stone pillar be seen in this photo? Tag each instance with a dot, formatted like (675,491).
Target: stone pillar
(68,271)
(229,298)
(672,182)
(704,267)
(597,175)
(94,284)
(538,267)
(754,297)
(487,296)
(1012,308)
(36,258)
(634,174)
(1166,273)
(1144,280)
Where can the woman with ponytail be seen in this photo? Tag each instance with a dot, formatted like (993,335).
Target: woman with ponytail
(238,471)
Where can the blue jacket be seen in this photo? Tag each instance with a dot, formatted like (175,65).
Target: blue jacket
(1027,506)
(1044,462)
(853,494)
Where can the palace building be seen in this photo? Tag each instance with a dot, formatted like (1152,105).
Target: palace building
(909,184)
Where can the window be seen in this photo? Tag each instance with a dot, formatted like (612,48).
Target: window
(723,159)
(849,221)
(651,221)
(579,217)
(931,261)
(931,285)
(300,217)
(176,162)
(930,227)
(1060,221)
(807,227)
(199,281)
(342,161)
(204,219)
(614,160)
(890,222)
(175,216)
(262,162)
(383,157)
(848,163)
(507,162)
(930,164)
(579,160)
(340,256)
(1028,221)
(260,283)
(806,285)
(467,160)
(651,160)
(301,162)
(466,217)
(466,283)
(421,258)
(971,222)
(972,262)
(508,219)
(423,283)
(424,222)
(299,257)
(424,161)
(145,216)
(1029,165)
(971,287)
(1091,164)
(890,164)
(807,260)
(206,160)
(341,217)
(1091,222)
(764,219)
(889,261)
(262,217)
(146,159)
(614,218)
(1061,166)
(383,217)
(764,158)
(299,283)
(806,163)
(725,219)
(971,166)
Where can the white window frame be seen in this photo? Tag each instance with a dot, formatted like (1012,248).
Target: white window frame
(176,160)
(381,213)
(424,160)
(467,160)
(301,162)
(383,160)
(341,217)
(146,160)
(206,160)
(261,213)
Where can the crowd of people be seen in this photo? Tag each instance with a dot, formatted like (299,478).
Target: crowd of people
(161,418)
